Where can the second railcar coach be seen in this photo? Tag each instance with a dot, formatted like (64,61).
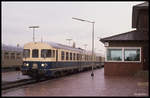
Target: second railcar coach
(11,57)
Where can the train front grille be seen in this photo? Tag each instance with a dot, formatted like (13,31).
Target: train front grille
(35,66)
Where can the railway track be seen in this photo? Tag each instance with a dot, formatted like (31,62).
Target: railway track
(23,82)
(17,83)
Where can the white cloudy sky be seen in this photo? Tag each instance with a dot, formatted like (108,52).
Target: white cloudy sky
(56,23)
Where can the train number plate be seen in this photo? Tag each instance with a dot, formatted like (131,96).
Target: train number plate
(34,66)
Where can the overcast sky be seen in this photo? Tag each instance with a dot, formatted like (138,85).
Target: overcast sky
(56,23)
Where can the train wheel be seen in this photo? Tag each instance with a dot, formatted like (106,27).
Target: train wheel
(38,78)
(57,74)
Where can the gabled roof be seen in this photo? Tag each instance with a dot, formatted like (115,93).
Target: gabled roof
(142,5)
(128,36)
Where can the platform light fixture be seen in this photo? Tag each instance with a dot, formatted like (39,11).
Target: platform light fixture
(92,74)
(33,31)
(69,40)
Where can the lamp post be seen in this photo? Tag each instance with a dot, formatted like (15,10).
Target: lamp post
(92,74)
(18,76)
(69,40)
(34,31)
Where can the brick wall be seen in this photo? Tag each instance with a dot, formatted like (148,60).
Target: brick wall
(121,68)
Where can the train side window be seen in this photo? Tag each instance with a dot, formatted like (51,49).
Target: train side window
(18,55)
(67,55)
(46,53)
(99,58)
(43,53)
(12,56)
(89,58)
(74,55)
(35,53)
(70,56)
(49,53)
(80,57)
(53,53)
(6,55)
(77,56)
(86,57)
(26,53)
(62,55)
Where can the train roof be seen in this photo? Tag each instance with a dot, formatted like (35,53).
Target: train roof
(54,45)
(11,48)
(65,47)
(61,46)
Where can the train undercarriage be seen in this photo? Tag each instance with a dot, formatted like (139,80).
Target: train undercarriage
(57,72)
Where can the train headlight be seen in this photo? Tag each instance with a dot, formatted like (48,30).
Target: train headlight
(42,65)
(27,64)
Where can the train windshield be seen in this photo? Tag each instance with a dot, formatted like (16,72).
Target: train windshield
(46,53)
(26,53)
(35,53)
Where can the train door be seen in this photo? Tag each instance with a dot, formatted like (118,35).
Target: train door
(56,58)
(56,55)
(79,63)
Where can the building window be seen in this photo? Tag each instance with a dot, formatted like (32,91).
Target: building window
(62,55)
(114,54)
(45,53)
(123,54)
(26,53)
(35,53)
(132,55)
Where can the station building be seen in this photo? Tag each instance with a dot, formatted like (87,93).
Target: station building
(128,53)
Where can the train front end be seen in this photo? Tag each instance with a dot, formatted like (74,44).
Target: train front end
(37,59)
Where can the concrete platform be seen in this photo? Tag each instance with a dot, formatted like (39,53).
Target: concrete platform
(12,76)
